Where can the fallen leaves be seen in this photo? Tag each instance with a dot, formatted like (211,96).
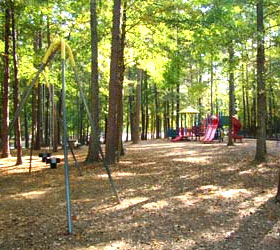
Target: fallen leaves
(187,196)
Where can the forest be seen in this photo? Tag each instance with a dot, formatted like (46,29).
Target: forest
(134,92)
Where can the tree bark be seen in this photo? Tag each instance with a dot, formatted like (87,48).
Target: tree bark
(135,132)
(211,85)
(120,148)
(112,128)
(147,111)
(243,99)
(131,111)
(127,121)
(177,104)
(6,148)
(231,93)
(261,91)
(39,119)
(157,114)
(93,150)
(143,103)
(16,86)
(165,119)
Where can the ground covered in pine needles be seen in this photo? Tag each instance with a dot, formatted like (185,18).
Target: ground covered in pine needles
(185,195)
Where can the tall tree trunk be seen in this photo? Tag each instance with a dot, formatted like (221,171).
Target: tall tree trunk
(168,114)
(120,104)
(37,139)
(93,150)
(146,112)
(39,119)
(177,104)
(172,109)
(6,148)
(261,91)
(143,103)
(211,85)
(157,114)
(247,99)
(47,117)
(135,138)
(131,112)
(243,98)
(231,92)
(127,121)
(112,128)
(33,125)
(165,121)
(16,87)
(270,110)
(59,118)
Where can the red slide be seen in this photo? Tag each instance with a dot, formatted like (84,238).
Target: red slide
(211,130)
(209,137)
(178,138)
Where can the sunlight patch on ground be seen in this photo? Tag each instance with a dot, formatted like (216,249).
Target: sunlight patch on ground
(7,165)
(249,171)
(217,191)
(156,205)
(116,175)
(83,200)
(29,195)
(125,203)
(230,193)
(110,246)
(121,174)
(249,207)
(193,159)
(126,162)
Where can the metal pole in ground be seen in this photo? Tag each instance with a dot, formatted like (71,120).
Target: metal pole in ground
(65,141)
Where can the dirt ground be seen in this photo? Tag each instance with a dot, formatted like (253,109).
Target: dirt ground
(185,195)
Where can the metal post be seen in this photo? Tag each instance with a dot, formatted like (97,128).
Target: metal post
(65,142)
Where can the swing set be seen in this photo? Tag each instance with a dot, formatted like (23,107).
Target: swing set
(60,44)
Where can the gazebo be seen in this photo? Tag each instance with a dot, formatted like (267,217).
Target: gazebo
(188,111)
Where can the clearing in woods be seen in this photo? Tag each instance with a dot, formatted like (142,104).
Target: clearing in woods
(185,195)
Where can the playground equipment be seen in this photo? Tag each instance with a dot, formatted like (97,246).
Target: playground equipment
(184,133)
(211,129)
(61,45)
(236,127)
(53,161)
(44,156)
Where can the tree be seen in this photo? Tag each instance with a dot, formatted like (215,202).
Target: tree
(93,151)
(16,85)
(6,148)
(136,128)
(112,129)
(231,92)
(261,91)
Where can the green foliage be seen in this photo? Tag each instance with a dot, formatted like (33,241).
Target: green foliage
(175,42)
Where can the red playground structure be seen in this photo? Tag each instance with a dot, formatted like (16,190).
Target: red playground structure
(211,129)
(183,135)
(236,127)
